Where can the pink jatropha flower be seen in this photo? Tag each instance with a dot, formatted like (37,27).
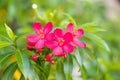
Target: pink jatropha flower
(61,43)
(76,35)
(38,39)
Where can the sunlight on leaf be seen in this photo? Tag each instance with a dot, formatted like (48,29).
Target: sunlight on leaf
(10,32)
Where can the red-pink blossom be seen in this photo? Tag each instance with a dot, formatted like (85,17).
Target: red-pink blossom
(38,39)
(61,45)
(58,42)
(76,35)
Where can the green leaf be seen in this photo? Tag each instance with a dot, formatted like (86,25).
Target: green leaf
(10,33)
(22,77)
(84,72)
(80,63)
(40,73)
(4,58)
(79,57)
(9,72)
(22,36)
(4,44)
(71,18)
(42,70)
(21,40)
(4,38)
(25,66)
(59,71)
(68,67)
(91,27)
(99,41)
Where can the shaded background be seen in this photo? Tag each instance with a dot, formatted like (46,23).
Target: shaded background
(20,15)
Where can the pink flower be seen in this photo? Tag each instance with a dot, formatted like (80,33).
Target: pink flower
(76,34)
(61,45)
(34,57)
(60,42)
(38,39)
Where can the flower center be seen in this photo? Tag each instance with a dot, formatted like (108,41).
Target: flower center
(41,34)
(60,41)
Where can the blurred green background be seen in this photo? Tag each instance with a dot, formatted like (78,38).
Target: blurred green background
(20,15)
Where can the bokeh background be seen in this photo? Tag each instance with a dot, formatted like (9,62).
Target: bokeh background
(19,15)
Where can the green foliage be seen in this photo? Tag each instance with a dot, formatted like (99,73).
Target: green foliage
(99,61)
(91,27)
(68,67)
(60,75)
(9,72)
(25,66)
(80,63)
(4,59)
(100,42)
(4,44)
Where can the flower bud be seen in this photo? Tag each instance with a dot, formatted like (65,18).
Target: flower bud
(39,50)
(34,57)
(52,62)
(29,47)
(48,58)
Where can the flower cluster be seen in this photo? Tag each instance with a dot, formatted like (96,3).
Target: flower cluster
(59,42)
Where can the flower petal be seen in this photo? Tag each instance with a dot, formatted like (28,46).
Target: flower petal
(48,27)
(37,27)
(39,44)
(58,51)
(31,43)
(68,48)
(80,33)
(68,37)
(80,44)
(70,27)
(32,38)
(73,44)
(51,44)
(50,36)
(58,32)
